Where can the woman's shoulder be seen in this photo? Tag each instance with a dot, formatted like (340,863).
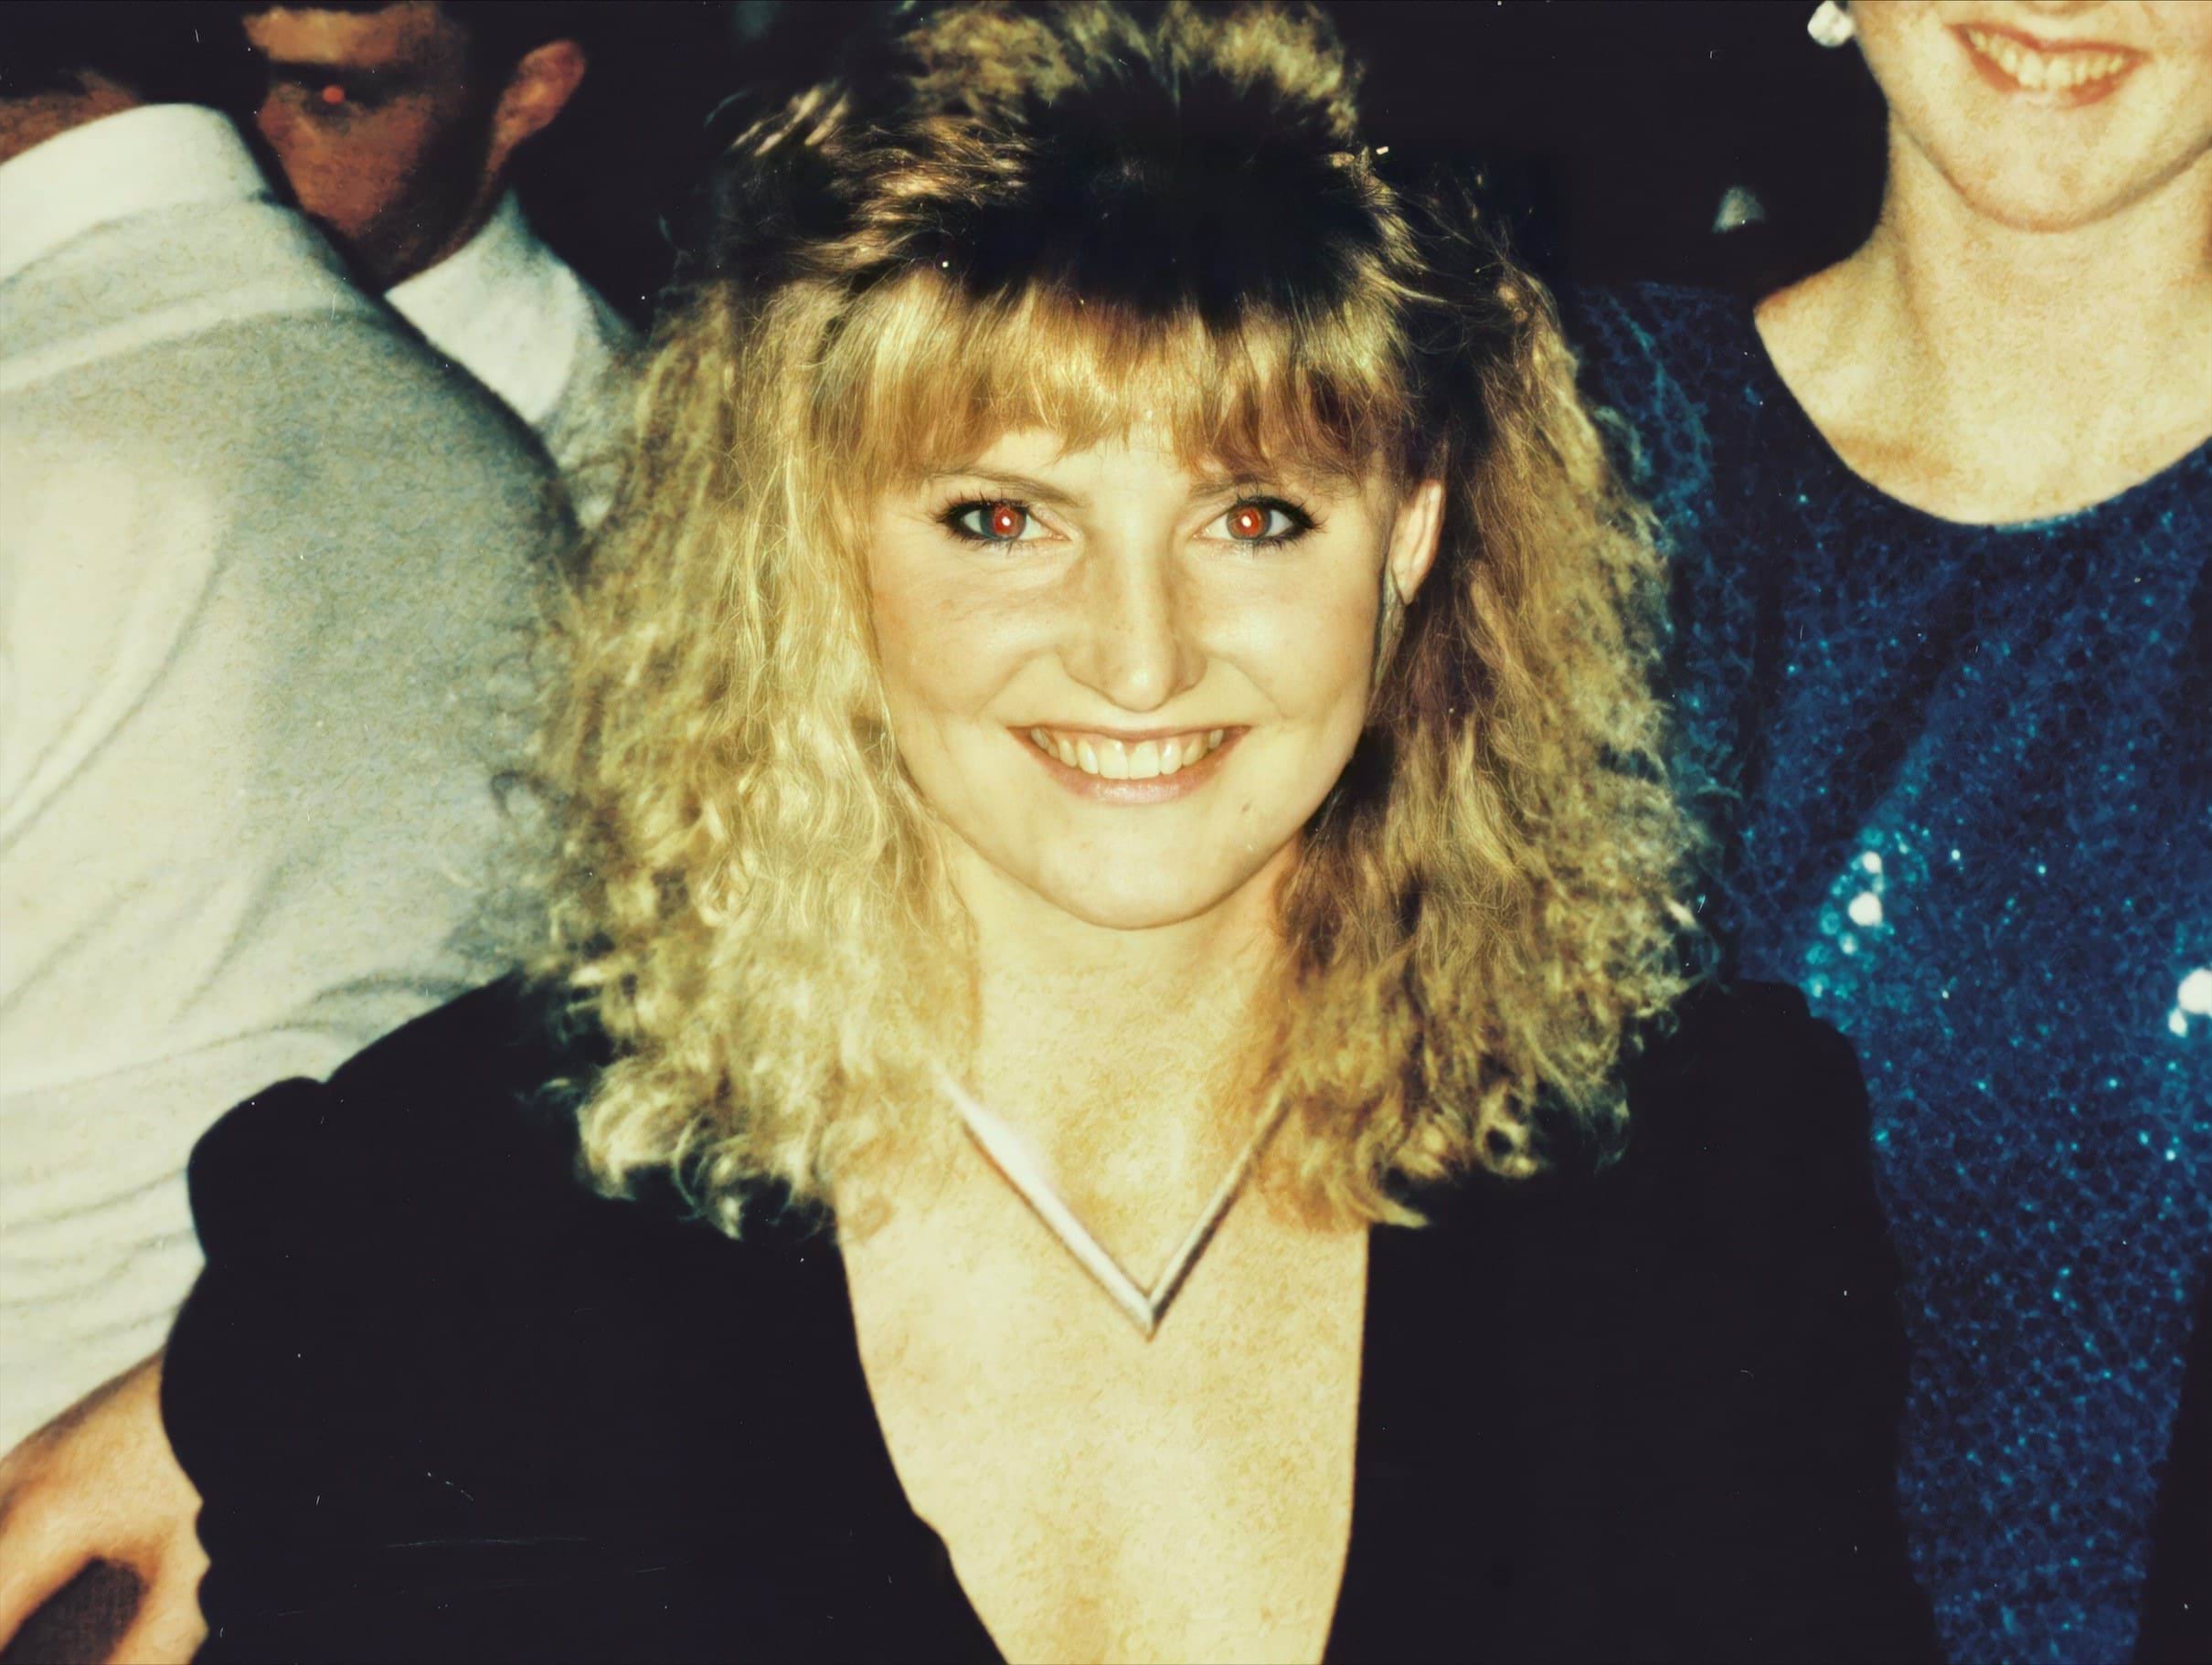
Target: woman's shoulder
(1749,1166)
(1742,1179)
(430,1380)
(1706,1339)
(1732,1222)
(1737,1085)
(1742,1072)
(496,1046)
(1748,1155)
(467,1106)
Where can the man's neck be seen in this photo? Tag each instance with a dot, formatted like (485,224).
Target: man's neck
(477,215)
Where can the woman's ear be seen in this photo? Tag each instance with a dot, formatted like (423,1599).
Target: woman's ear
(1415,531)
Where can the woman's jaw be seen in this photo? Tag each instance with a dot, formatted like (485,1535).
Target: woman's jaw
(2041,120)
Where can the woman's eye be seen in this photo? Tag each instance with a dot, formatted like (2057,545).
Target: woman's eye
(994,523)
(1260,522)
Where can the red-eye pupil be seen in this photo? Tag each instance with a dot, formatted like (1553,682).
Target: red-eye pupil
(1247,522)
(332,94)
(1004,520)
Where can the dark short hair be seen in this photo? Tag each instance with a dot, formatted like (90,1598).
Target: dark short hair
(502,32)
(498,32)
(166,51)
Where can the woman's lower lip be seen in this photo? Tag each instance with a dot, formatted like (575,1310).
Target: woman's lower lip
(2056,98)
(1160,789)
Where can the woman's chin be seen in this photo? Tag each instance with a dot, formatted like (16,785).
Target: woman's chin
(1139,902)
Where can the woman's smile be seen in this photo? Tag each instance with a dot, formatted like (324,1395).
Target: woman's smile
(1126,768)
(2064,75)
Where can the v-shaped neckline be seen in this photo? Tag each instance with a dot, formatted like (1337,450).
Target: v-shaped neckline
(1367,1433)
(1018,1163)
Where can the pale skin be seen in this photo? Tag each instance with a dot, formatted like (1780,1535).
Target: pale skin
(1103,1496)
(2028,331)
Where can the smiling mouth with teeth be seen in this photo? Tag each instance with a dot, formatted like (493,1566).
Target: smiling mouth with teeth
(2084,73)
(1115,759)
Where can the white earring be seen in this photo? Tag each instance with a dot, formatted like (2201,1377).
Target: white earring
(1831,25)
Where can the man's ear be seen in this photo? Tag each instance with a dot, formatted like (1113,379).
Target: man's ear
(539,89)
(1415,532)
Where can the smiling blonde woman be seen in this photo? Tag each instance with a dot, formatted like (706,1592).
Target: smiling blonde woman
(1115,845)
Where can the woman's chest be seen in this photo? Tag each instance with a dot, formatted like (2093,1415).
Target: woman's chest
(1105,1497)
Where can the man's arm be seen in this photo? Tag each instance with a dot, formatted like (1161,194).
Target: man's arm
(99,1484)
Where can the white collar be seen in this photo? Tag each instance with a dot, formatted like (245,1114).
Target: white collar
(499,307)
(134,162)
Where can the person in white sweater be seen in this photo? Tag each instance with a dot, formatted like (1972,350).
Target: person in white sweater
(267,579)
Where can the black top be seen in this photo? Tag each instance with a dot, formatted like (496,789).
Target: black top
(2178,1607)
(443,1402)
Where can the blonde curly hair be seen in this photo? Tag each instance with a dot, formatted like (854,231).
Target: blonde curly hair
(1070,218)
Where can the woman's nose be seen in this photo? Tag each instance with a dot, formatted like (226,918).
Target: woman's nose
(1132,639)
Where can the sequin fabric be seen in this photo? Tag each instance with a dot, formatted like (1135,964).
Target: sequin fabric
(1962,787)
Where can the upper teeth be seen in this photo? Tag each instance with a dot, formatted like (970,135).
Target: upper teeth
(1097,754)
(2041,71)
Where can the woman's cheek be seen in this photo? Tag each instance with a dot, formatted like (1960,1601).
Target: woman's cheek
(1311,651)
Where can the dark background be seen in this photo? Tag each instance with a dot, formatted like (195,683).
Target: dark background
(1610,128)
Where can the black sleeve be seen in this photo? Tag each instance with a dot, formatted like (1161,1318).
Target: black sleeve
(1761,1300)
(281,1388)
(381,1384)
(2177,1609)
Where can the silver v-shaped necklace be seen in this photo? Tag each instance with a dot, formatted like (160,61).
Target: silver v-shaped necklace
(1017,1162)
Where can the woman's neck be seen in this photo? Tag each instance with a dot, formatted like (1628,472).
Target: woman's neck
(1988,373)
(1123,1055)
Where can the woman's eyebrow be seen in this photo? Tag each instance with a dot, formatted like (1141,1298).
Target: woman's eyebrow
(1318,485)
(1025,486)
(1216,485)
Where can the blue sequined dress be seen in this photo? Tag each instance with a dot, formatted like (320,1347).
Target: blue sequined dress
(1965,799)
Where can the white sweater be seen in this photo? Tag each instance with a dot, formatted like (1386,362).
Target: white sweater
(266,572)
